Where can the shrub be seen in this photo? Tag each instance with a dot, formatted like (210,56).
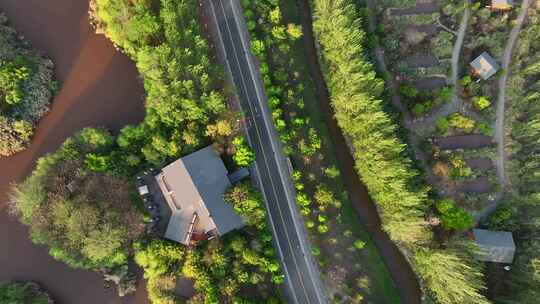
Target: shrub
(465,81)
(13,75)
(359,244)
(324,196)
(243,155)
(14,135)
(294,31)
(322,228)
(408,91)
(484,128)
(442,125)
(419,109)
(454,217)
(460,169)
(462,122)
(96,162)
(480,103)
(332,172)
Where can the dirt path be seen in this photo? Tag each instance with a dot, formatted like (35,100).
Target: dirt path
(399,268)
(456,102)
(501,98)
(99,87)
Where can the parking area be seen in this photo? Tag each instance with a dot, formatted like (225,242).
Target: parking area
(154,203)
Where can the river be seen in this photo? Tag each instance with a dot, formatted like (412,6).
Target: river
(99,87)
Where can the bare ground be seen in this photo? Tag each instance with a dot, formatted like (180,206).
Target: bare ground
(473,141)
(420,8)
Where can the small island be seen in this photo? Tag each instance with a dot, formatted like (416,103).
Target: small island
(23,292)
(26,89)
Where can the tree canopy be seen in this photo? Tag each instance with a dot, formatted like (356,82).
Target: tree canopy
(85,216)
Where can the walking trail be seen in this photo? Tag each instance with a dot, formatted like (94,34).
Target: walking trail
(501,104)
(455,104)
(412,125)
(501,98)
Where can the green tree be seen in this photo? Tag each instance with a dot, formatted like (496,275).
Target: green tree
(454,217)
(459,121)
(442,125)
(294,31)
(243,155)
(449,278)
(480,103)
(87,218)
(96,162)
(249,203)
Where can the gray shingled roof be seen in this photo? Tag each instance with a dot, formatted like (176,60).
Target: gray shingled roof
(485,65)
(196,184)
(495,246)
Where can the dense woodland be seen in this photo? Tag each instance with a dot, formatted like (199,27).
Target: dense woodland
(185,105)
(26,89)
(83,214)
(520,211)
(447,271)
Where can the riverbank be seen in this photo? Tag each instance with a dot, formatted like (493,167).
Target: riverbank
(100,87)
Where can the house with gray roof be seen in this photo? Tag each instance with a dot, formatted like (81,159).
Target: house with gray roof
(193,187)
(502,4)
(495,246)
(485,66)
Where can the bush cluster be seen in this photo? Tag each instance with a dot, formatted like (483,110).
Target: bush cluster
(22,293)
(26,89)
(221,269)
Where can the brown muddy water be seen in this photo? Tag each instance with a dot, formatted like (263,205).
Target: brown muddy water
(99,87)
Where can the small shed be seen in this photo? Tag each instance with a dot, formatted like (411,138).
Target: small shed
(485,66)
(495,246)
(502,4)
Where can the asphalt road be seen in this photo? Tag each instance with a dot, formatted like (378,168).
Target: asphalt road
(303,279)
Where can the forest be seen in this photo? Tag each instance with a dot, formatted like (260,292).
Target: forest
(447,271)
(185,105)
(185,110)
(26,89)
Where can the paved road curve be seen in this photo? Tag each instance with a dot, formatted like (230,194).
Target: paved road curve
(273,174)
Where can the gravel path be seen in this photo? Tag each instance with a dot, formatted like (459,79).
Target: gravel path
(501,98)
(456,102)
